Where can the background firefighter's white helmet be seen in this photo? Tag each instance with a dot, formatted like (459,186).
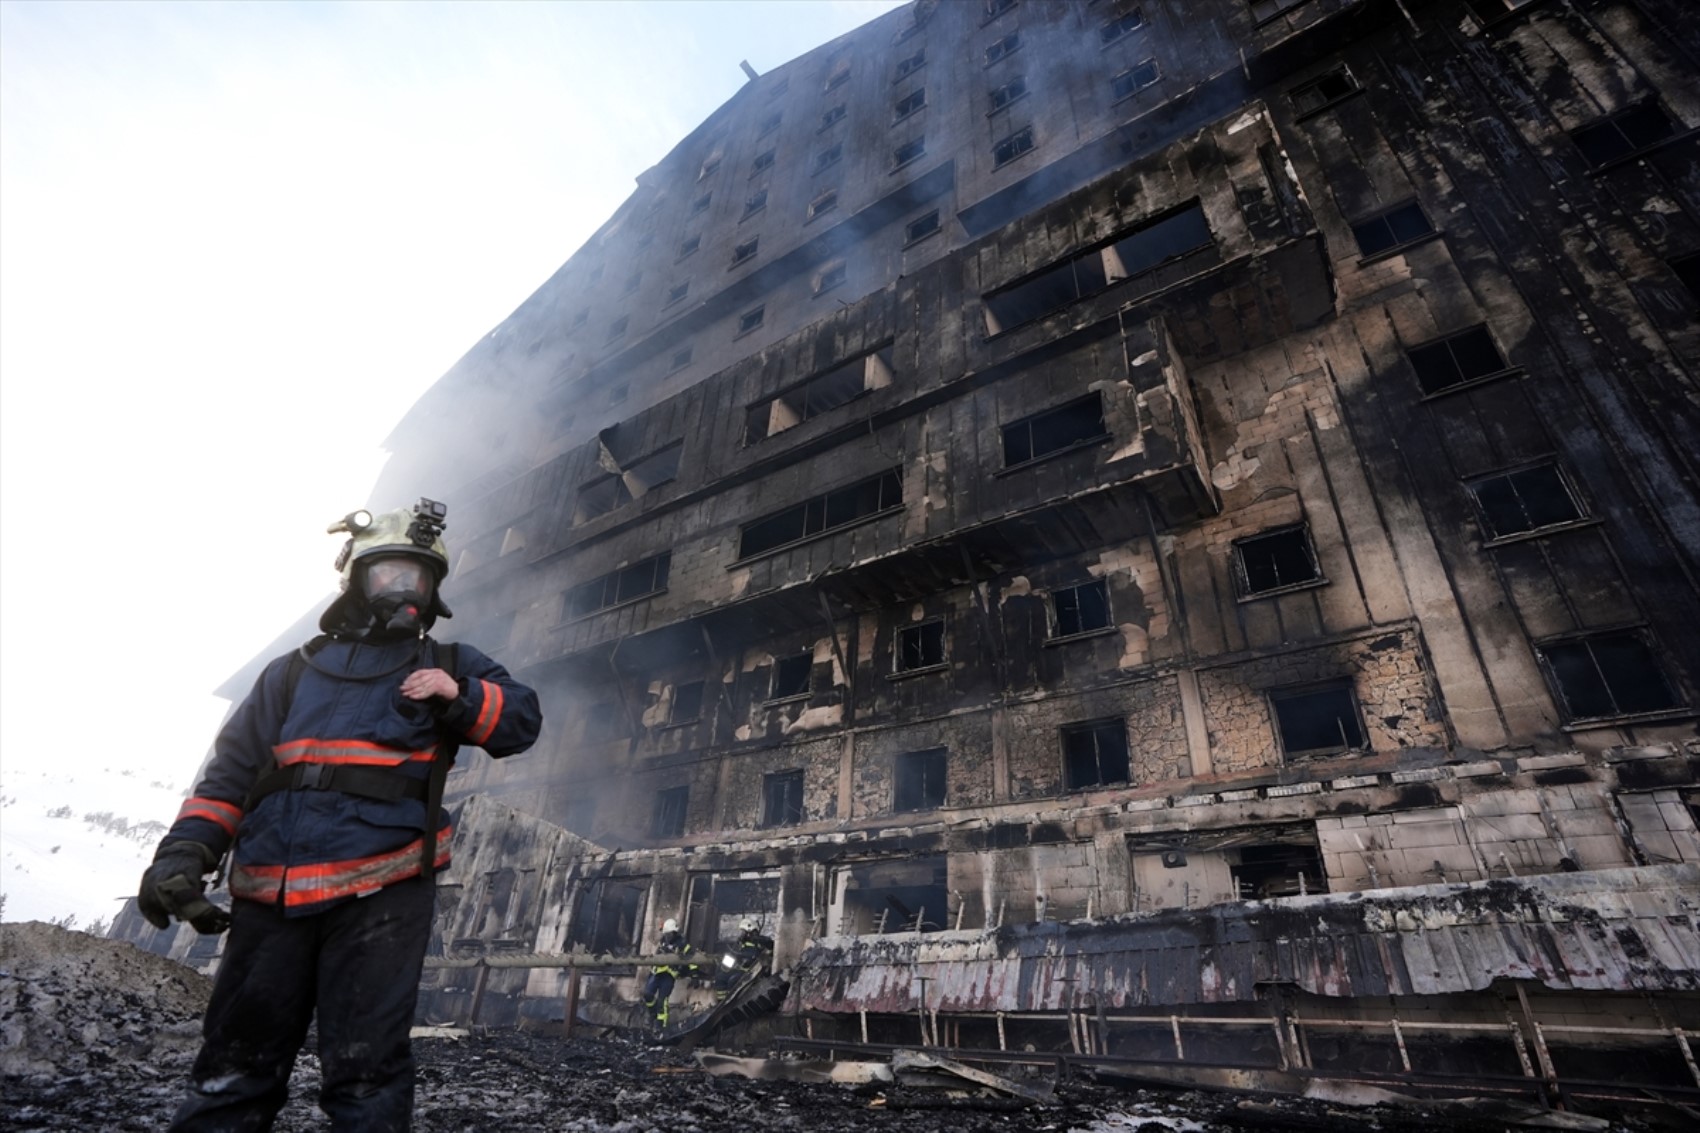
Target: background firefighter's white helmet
(669,925)
(416,532)
(747,925)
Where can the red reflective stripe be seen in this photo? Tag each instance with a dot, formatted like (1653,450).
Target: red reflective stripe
(489,713)
(330,880)
(346,751)
(226,815)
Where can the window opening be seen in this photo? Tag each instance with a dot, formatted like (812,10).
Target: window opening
(909,103)
(1323,91)
(819,394)
(1627,132)
(708,167)
(615,588)
(1276,560)
(677,292)
(1095,754)
(610,915)
(770,124)
(1008,93)
(681,359)
(1003,48)
(1081,609)
(1456,359)
(763,160)
(823,513)
(905,895)
(791,676)
(826,202)
(1120,26)
(920,646)
(1013,146)
(831,276)
(668,818)
(745,251)
(1262,873)
(687,703)
(828,157)
(618,328)
(755,203)
(908,152)
(1608,674)
(908,66)
(1401,225)
(838,77)
(599,497)
(750,320)
(918,780)
(782,798)
(1134,79)
(689,246)
(836,114)
(921,227)
(1530,499)
(1687,270)
(1066,426)
(1318,720)
(701,203)
(719,902)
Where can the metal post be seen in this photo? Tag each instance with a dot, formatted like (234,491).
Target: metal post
(864,1014)
(572,1002)
(478,993)
(1522,1047)
(1399,1037)
(1687,1053)
(1003,1043)
(1547,1070)
(1175,1026)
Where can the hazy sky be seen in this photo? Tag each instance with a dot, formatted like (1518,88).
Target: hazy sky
(237,241)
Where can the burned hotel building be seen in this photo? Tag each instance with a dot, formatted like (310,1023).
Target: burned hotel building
(1073,514)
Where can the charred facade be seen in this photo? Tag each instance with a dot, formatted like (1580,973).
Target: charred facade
(1043,480)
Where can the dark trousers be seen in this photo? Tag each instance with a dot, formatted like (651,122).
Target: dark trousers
(358,965)
(656,994)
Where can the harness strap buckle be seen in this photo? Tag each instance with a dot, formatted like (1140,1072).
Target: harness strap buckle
(315,777)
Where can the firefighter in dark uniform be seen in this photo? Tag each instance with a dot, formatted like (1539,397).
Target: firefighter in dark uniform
(658,989)
(751,953)
(325,788)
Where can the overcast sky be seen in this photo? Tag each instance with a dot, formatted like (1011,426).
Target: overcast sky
(237,241)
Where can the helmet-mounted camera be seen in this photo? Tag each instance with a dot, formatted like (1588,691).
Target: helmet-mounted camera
(429,519)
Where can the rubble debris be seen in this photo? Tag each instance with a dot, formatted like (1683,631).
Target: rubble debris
(905,1061)
(792,1069)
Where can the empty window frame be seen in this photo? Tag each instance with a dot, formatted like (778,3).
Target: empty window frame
(687,703)
(1527,500)
(628,584)
(1392,228)
(791,676)
(832,116)
(920,646)
(751,319)
(909,65)
(1095,754)
(826,202)
(830,276)
(782,798)
(1129,21)
(1134,79)
(1003,48)
(1080,609)
(618,328)
(823,392)
(763,160)
(677,292)
(1624,133)
(1447,362)
(681,359)
(1603,675)
(907,152)
(667,820)
(1002,96)
(650,472)
(754,203)
(709,165)
(838,76)
(921,227)
(746,251)
(1275,561)
(1012,147)
(826,512)
(1077,423)
(689,246)
(599,497)
(908,104)
(1262,10)
(828,157)
(918,780)
(1142,249)
(1317,719)
(1334,85)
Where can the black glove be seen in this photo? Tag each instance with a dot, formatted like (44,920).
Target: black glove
(173,887)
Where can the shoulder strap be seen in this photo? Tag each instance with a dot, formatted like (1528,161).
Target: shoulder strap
(448,660)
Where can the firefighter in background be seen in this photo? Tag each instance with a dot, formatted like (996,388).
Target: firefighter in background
(325,787)
(658,989)
(749,955)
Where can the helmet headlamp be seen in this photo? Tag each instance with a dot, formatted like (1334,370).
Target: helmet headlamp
(354,523)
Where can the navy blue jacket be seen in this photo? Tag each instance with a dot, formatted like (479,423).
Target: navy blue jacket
(310,849)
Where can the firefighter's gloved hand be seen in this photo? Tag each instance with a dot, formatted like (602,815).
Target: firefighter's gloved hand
(173,886)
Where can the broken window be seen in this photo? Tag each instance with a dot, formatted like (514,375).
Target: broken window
(908,152)
(831,276)
(1095,754)
(791,676)
(1012,147)
(1078,422)
(1188,868)
(615,588)
(920,646)
(720,902)
(1627,132)
(1264,872)
(1126,83)
(823,513)
(608,915)
(782,798)
(1333,85)
(1456,359)
(1403,224)
(687,703)
(1276,561)
(833,115)
(909,103)
(1530,499)
(763,160)
(838,76)
(828,157)
(826,202)
(918,780)
(709,165)
(751,319)
(606,493)
(921,227)
(599,497)
(837,386)
(908,895)
(755,203)
(1608,674)
(1008,93)
(668,818)
(746,251)
(677,292)
(1081,609)
(1144,248)
(908,66)
(1003,48)
(689,246)
(1128,21)
(1318,719)
(681,359)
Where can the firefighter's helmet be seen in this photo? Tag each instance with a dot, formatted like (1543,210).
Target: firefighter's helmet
(415,532)
(747,925)
(669,925)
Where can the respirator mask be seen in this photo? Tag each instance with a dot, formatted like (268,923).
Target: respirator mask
(397,590)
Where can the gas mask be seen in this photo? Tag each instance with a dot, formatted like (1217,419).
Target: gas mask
(397,590)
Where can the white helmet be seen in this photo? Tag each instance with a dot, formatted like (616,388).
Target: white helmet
(669,925)
(746,925)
